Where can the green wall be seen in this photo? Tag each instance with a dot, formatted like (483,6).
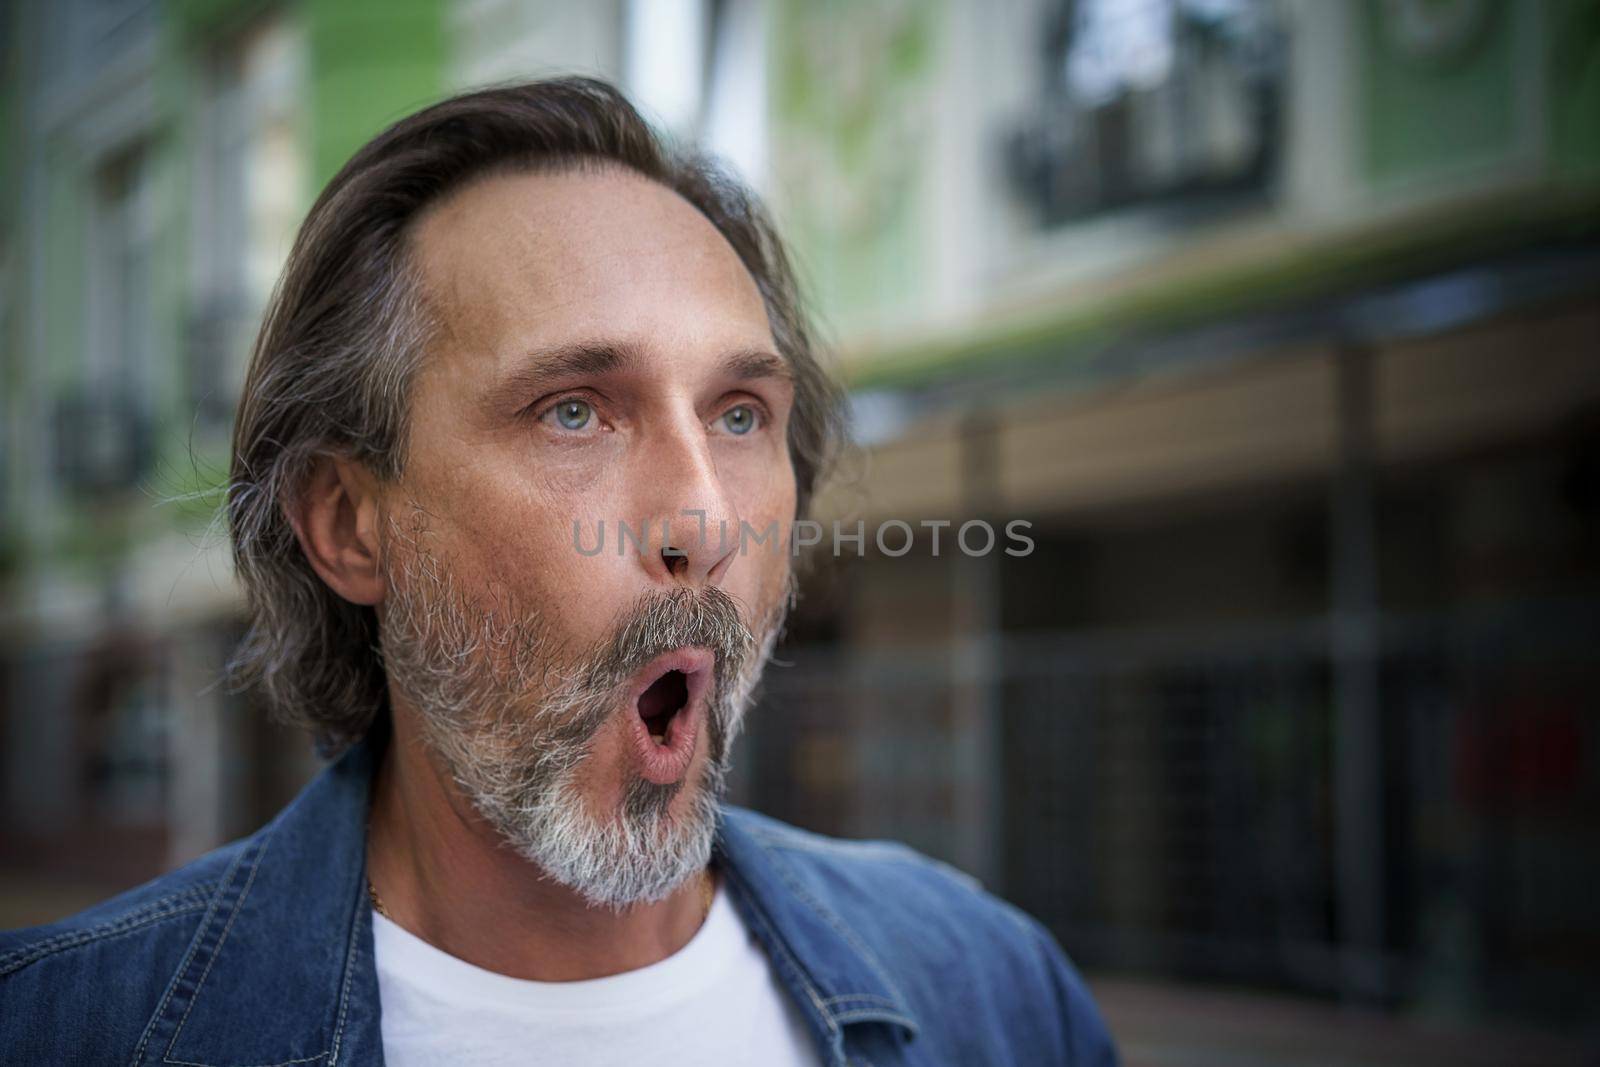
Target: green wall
(852,87)
(1574,59)
(372,62)
(1425,114)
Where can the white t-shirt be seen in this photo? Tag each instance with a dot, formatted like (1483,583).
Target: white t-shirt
(714,1001)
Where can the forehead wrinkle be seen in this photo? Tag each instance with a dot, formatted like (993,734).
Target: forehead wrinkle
(472,297)
(533,230)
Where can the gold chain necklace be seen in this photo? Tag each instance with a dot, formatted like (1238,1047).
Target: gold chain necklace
(377,901)
(708,894)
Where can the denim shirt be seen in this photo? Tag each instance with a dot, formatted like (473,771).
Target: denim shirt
(260,954)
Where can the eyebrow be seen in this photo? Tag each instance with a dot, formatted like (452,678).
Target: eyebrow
(745,366)
(547,367)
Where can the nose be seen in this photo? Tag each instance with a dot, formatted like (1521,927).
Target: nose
(692,524)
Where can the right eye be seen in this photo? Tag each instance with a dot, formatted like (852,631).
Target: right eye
(571,414)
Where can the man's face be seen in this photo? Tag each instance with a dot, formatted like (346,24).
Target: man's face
(604,358)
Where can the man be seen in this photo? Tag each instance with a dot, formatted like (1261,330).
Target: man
(510,322)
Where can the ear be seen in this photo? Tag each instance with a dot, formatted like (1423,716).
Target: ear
(335,519)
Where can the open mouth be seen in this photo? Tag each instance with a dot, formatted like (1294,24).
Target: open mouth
(670,700)
(658,704)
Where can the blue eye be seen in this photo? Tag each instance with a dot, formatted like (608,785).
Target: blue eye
(740,420)
(573,414)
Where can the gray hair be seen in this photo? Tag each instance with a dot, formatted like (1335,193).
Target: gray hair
(348,325)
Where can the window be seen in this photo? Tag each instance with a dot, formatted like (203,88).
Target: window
(1144,101)
(250,185)
(103,425)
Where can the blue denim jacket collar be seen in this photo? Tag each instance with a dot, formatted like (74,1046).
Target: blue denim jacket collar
(287,941)
(820,961)
(296,893)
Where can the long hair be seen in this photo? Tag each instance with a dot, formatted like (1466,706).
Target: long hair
(347,327)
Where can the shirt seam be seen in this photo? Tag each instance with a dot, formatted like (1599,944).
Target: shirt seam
(898,1001)
(350,957)
(152,914)
(280,1063)
(194,998)
(873,997)
(775,940)
(194,946)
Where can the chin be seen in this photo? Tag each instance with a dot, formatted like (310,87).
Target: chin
(637,847)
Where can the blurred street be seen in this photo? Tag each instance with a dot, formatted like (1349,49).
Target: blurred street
(1216,571)
(1167,1025)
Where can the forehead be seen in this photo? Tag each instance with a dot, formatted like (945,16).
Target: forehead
(516,261)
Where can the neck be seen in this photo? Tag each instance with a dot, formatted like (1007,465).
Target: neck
(444,875)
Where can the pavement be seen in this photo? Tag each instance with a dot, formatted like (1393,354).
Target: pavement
(1166,1025)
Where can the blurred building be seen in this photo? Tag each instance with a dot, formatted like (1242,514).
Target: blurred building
(1279,324)
(1276,322)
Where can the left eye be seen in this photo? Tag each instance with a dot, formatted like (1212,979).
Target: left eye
(740,420)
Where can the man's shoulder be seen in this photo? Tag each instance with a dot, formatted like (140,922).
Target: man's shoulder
(890,887)
(944,940)
(249,954)
(143,912)
(876,865)
(114,959)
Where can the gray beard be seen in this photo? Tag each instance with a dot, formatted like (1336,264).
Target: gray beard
(513,725)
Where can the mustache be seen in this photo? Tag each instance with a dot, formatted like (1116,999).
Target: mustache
(580,696)
(657,622)
(663,620)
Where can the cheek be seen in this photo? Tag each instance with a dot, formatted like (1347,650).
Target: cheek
(759,480)
(574,473)
(534,538)
(766,504)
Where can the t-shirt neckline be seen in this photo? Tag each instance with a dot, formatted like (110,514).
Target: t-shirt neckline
(403,956)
